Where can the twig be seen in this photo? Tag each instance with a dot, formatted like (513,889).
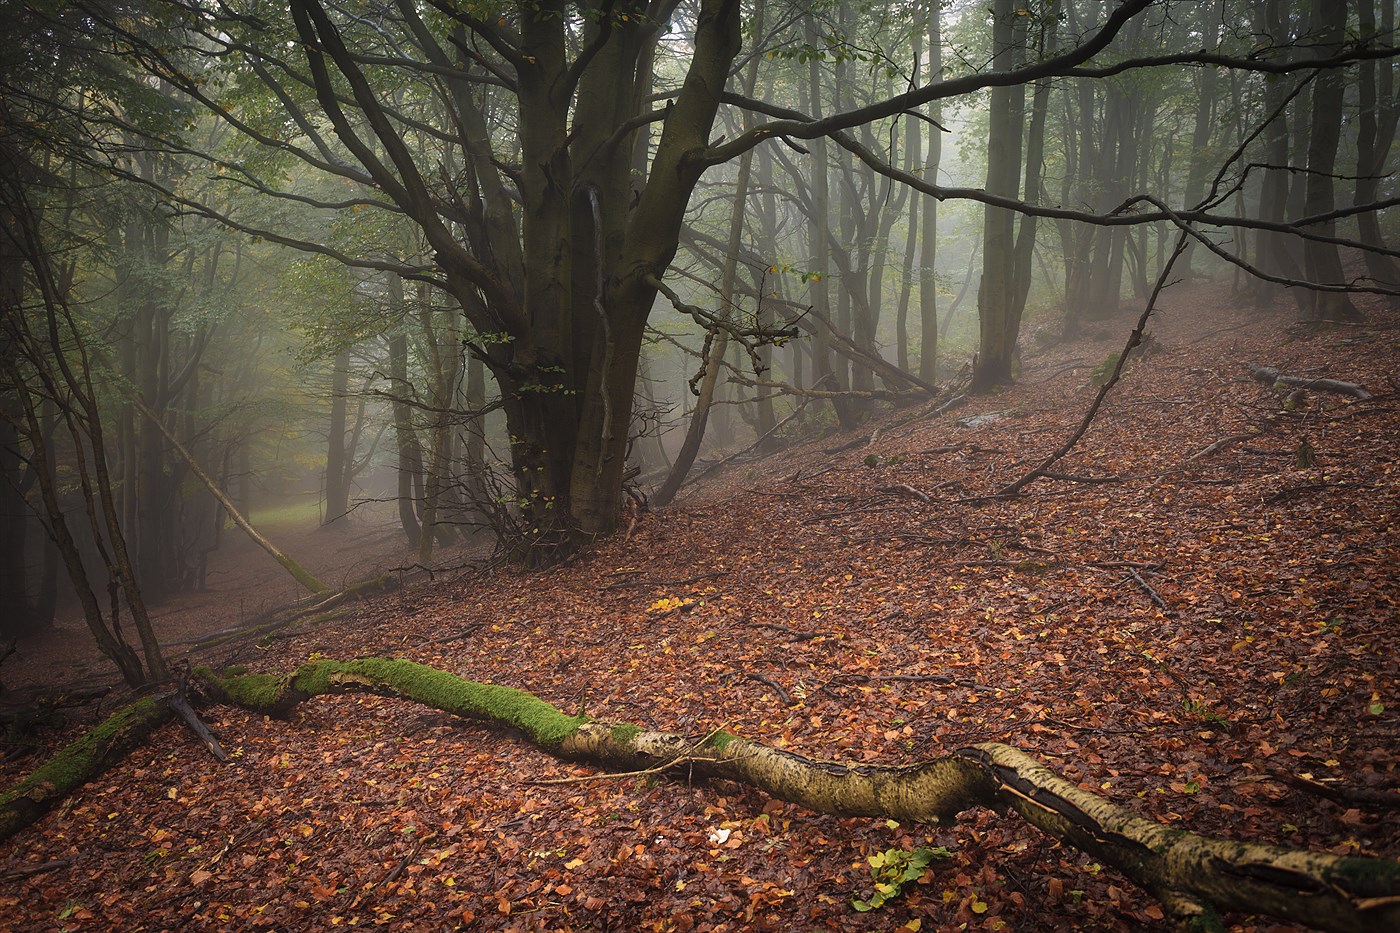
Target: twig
(1147,588)
(1387,799)
(29,871)
(916,679)
(797,634)
(398,869)
(771,431)
(771,683)
(851,445)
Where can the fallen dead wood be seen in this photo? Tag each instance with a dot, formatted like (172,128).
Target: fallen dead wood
(1341,794)
(181,706)
(1221,444)
(767,681)
(80,762)
(1195,877)
(1272,377)
(29,871)
(298,572)
(796,634)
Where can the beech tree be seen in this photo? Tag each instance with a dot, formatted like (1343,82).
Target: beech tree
(546,154)
(548,180)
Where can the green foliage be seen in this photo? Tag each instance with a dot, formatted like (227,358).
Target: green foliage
(1306,454)
(892,869)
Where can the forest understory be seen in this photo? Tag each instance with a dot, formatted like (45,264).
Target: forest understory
(1195,617)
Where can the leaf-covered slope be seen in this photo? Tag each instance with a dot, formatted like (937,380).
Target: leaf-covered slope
(821,608)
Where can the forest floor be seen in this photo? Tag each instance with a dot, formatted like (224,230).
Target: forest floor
(1184,632)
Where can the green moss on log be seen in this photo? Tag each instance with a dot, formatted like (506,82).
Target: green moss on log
(719,740)
(624,732)
(79,762)
(1369,876)
(541,722)
(260,693)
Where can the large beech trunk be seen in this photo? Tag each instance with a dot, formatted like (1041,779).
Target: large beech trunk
(1194,876)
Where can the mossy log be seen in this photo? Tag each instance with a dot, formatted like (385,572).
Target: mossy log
(1194,876)
(80,762)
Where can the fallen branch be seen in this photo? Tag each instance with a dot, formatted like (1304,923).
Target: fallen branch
(1193,876)
(1147,588)
(771,684)
(29,871)
(191,719)
(1221,445)
(298,572)
(1272,377)
(79,762)
(797,634)
(1134,338)
(904,491)
(771,431)
(1346,796)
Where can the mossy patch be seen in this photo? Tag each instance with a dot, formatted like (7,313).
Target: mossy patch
(623,733)
(720,739)
(81,760)
(258,692)
(1377,877)
(545,725)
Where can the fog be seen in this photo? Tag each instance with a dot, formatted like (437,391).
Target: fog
(295,302)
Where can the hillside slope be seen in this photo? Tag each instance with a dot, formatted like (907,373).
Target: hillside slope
(1189,633)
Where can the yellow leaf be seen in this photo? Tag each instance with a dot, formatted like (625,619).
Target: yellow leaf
(979,907)
(573,863)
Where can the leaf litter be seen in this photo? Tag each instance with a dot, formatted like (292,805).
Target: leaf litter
(1195,638)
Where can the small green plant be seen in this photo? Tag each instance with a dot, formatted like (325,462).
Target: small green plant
(892,869)
(1200,709)
(1305,456)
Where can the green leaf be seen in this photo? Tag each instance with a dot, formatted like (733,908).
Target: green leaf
(1375,709)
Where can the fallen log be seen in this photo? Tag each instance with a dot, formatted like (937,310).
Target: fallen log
(1272,377)
(1195,877)
(80,762)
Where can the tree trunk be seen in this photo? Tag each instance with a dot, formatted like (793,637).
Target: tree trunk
(1375,133)
(928,242)
(337,456)
(999,324)
(1322,261)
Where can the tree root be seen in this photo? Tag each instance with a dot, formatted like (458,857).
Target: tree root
(1195,877)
